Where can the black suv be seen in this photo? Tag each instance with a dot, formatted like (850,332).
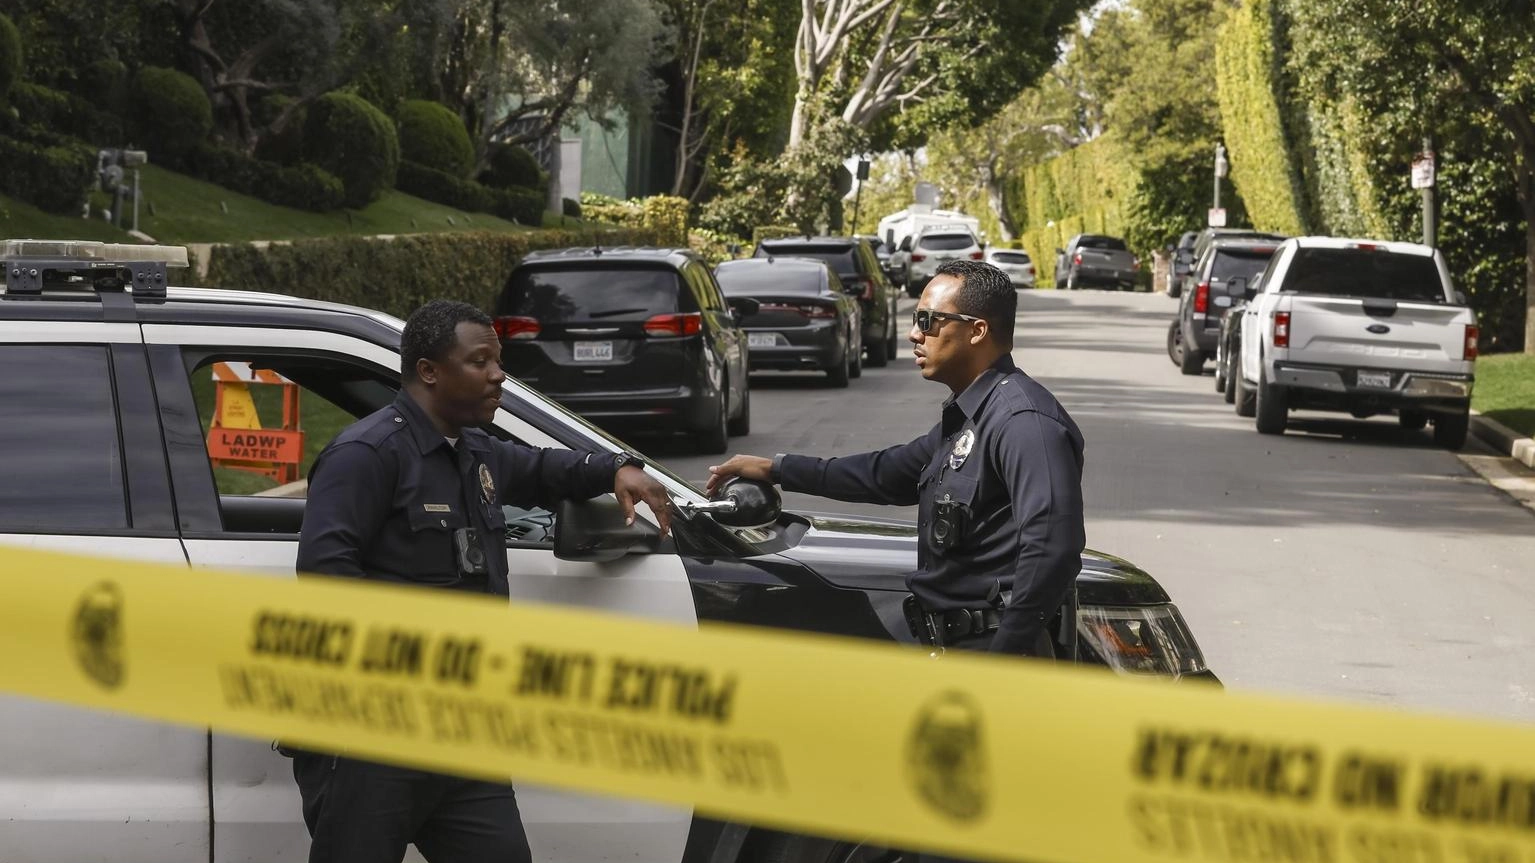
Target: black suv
(1195,332)
(638,337)
(862,277)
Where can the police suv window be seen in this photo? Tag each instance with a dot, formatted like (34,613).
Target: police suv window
(61,463)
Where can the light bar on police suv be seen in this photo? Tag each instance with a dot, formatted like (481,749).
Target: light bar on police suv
(87,251)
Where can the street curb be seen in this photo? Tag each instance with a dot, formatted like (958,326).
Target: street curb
(1503,439)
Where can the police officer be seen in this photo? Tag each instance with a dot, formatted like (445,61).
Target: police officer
(998,481)
(412,495)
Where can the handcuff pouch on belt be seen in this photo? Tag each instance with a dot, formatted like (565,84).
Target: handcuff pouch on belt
(941,628)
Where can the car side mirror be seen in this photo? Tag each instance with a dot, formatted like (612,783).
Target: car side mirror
(594,530)
(906,244)
(739,502)
(741,307)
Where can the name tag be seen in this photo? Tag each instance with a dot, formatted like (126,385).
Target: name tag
(436,507)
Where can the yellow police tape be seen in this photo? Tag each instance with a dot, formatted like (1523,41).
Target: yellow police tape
(967,755)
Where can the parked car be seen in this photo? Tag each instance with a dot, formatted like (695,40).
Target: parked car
(881,252)
(1016,263)
(861,275)
(1362,327)
(1091,259)
(804,318)
(1197,325)
(109,395)
(638,338)
(1182,262)
(1211,235)
(933,248)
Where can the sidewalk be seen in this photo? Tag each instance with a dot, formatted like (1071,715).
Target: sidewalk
(1503,439)
(1511,468)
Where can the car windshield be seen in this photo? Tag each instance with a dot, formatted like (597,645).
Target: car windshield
(750,279)
(1112,244)
(945,242)
(839,255)
(1239,264)
(1010,257)
(557,295)
(1369,273)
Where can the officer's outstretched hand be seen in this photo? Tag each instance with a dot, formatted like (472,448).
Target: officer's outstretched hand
(631,485)
(747,466)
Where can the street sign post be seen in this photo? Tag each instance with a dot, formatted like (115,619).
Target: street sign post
(1217,217)
(1423,170)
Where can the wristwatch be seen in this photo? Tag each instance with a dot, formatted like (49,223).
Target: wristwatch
(622,460)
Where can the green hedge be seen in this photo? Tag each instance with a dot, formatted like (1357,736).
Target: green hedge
(510,166)
(349,137)
(443,188)
(1248,80)
(1087,189)
(302,186)
(433,136)
(66,114)
(10,56)
(397,275)
(172,114)
(523,206)
(50,172)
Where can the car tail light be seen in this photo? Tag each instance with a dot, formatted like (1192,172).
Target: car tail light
(868,288)
(812,311)
(675,325)
(1281,329)
(916,257)
(1473,332)
(1077,258)
(517,328)
(977,256)
(1135,263)
(1202,298)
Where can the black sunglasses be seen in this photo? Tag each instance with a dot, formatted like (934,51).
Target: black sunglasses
(926,320)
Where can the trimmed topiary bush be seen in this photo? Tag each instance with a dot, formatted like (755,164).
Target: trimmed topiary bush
(443,188)
(10,56)
(431,135)
(51,172)
(65,113)
(349,137)
(523,206)
(572,207)
(286,146)
(304,186)
(510,166)
(104,83)
(171,112)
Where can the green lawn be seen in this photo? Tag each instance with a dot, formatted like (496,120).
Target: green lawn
(320,420)
(1505,390)
(19,220)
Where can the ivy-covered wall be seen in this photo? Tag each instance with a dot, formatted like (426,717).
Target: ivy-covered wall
(1085,190)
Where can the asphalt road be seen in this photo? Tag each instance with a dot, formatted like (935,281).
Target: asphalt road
(1348,559)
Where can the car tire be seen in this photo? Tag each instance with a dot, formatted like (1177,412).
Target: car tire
(1244,398)
(838,373)
(1229,394)
(1450,429)
(1220,371)
(855,357)
(741,425)
(874,354)
(1071,281)
(1412,420)
(1191,361)
(715,438)
(1175,342)
(892,339)
(1273,408)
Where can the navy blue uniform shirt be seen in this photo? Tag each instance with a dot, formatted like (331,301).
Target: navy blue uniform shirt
(1008,453)
(387,494)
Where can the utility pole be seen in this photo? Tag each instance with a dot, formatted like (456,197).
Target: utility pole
(1430,226)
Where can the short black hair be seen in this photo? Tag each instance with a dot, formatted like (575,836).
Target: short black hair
(432,330)
(984,292)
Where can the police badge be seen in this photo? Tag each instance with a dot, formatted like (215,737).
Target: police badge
(961,449)
(487,485)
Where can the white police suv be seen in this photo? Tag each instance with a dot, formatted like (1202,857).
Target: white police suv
(116,442)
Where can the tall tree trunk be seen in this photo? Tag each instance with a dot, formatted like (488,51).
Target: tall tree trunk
(1528,205)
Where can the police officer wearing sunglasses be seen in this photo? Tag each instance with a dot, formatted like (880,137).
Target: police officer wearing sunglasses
(998,481)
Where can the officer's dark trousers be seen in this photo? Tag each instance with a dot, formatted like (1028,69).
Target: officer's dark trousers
(361,812)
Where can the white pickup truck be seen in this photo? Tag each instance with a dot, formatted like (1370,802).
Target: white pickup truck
(1358,326)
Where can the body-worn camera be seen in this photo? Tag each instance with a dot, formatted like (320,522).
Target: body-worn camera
(949,519)
(470,554)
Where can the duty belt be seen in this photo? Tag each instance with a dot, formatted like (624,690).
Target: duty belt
(938,628)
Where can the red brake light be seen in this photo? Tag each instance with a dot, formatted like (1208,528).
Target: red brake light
(675,325)
(1077,259)
(1202,298)
(1135,263)
(917,257)
(1473,332)
(977,256)
(868,288)
(1281,329)
(516,328)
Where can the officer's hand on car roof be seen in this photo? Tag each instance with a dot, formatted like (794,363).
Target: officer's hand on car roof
(747,466)
(631,484)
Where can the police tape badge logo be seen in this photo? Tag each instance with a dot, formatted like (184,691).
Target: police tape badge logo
(961,449)
(487,485)
(98,634)
(945,756)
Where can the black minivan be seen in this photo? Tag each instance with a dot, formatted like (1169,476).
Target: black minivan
(632,339)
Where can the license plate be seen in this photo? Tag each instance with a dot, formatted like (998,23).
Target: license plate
(761,340)
(1374,379)
(593,352)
